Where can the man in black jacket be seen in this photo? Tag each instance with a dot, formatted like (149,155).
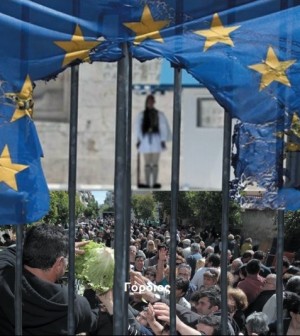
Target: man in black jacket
(45,302)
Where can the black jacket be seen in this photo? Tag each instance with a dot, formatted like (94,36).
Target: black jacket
(45,304)
(258,304)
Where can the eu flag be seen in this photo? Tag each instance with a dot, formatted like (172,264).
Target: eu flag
(24,194)
(244,51)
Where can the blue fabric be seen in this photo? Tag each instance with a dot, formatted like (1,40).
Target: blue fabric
(145,331)
(37,44)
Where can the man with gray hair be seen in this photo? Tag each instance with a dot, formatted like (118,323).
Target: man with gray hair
(235,265)
(194,257)
(257,324)
(209,250)
(186,248)
(184,272)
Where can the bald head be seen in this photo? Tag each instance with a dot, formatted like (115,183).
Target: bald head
(270,282)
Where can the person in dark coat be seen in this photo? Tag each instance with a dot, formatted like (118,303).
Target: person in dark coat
(268,289)
(45,300)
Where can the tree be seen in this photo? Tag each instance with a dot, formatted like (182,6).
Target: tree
(92,209)
(205,206)
(184,208)
(292,227)
(59,208)
(143,206)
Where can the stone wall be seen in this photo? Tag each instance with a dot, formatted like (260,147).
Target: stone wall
(96,124)
(260,226)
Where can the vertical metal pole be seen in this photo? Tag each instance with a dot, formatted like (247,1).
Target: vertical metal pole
(127,207)
(279,269)
(279,249)
(122,187)
(72,194)
(225,218)
(18,280)
(174,193)
(25,16)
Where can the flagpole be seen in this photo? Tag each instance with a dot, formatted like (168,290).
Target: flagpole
(174,193)
(280,246)
(225,218)
(279,270)
(122,188)
(72,193)
(18,280)
(20,228)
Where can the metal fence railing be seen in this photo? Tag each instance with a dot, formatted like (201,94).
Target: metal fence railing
(122,205)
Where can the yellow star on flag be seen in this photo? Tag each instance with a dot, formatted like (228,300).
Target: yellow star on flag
(77,48)
(8,170)
(295,125)
(147,27)
(217,33)
(272,70)
(23,99)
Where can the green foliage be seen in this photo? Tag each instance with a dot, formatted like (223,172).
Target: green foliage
(108,205)
(92,209)
(96,267)
(143,206)
(105,208)
(184,208)
(292,224)
(205,206)
(59,208)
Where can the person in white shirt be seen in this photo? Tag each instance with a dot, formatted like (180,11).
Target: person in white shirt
(270,308)
(213,260)
(153,131)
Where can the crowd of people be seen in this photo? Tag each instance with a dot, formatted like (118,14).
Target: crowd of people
(251,284)
(251,294)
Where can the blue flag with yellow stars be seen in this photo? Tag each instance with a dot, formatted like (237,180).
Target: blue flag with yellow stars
(24,196)
(246,52)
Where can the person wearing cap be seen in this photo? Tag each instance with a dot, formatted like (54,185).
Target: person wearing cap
(139,264)
(153,131)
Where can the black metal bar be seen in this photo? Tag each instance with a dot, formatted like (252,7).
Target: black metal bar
(225,218)
(72,194)
(174,193)
(122,186)
(280,225)
(127,207)
(18,280)
(25,17)
(279,270)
